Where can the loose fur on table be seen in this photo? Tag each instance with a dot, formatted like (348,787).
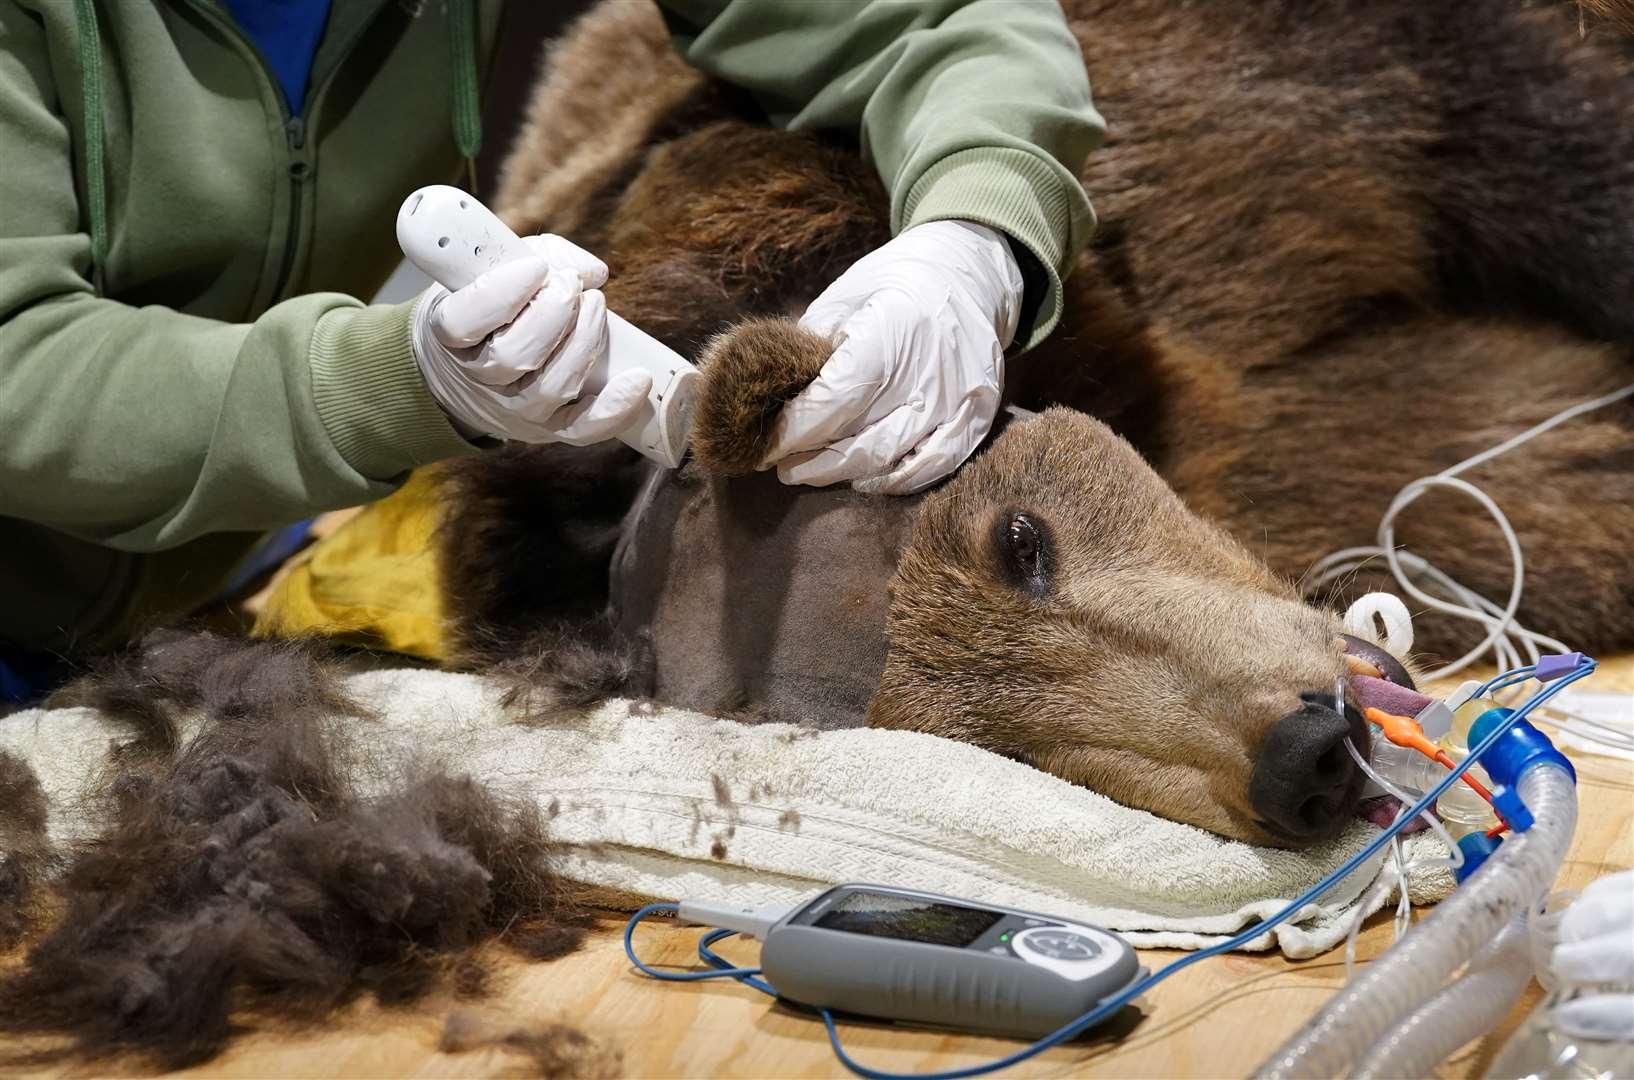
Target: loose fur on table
(242,873)
(24,854)
(553,1050)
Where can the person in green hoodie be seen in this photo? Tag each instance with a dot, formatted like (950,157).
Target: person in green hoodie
(195,193)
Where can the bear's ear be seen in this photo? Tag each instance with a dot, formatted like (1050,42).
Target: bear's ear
(748,373)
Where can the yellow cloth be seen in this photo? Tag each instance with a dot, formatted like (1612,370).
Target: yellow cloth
(373,582)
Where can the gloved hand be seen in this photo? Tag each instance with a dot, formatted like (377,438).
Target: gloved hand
(920,328)
(507,355)
(1596,949)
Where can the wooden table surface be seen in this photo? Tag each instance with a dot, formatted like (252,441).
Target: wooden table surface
(1218,1018)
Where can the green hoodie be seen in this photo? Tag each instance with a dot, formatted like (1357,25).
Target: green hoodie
(183,362)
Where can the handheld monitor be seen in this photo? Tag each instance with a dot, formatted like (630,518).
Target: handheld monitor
(918,957)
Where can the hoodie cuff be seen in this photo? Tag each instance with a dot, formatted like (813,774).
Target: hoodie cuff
(371,396)
(1019,195)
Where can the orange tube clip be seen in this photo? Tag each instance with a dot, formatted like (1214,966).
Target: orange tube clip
(1404,731)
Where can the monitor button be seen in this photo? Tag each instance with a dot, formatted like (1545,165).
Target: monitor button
(1061,945)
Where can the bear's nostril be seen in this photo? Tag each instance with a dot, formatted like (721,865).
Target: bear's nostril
(1333,760)
(1316,812)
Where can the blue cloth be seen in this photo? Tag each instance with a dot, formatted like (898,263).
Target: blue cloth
(266,557)
(25,678)
(287,33)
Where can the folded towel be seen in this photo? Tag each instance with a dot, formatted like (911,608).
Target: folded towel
(669,804)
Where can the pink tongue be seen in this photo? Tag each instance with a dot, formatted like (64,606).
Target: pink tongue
(1374,693)
(1381,810)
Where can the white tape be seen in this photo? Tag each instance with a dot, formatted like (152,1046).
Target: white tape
(1376,611)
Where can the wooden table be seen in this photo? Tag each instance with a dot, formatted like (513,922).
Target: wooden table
(1217,1019)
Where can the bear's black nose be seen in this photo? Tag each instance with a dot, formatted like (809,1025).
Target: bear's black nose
(1305,784)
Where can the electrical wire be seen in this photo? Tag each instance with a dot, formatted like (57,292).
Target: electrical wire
(1583,727)
(677,976)
(1123,997)
(1503,632)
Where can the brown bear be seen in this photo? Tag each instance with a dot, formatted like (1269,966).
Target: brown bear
(1341,247)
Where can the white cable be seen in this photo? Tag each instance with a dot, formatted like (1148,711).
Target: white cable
(1455,859)
(1503,632)
(1586,727)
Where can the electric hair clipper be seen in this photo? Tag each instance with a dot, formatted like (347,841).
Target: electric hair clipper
(453,238)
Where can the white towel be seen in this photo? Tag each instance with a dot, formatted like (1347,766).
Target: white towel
(672,804)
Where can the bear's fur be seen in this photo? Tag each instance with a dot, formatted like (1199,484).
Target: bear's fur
(1341,247)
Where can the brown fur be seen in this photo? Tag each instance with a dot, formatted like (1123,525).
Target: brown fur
(740,220)
(1150,617)
(526,546)
(1619,12)
(750,373)
(1341,247)
(554,1051)
(243,875)
(24,853)
(563,154)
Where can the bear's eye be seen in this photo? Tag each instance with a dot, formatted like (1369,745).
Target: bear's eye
(1026,546)
(1024,551)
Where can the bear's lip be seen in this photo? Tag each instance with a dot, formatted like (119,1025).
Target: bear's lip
(1392,669)
(1378,680)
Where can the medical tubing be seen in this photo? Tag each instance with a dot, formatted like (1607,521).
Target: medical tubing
(1465,1009)
(1398,982)
(1455,856)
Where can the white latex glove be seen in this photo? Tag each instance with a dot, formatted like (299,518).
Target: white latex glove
(507,355)
(920,327)
(1596,949)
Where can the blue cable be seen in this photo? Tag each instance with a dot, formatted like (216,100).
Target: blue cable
(1504,681)
(1130,993)
(709,956)
(678,976)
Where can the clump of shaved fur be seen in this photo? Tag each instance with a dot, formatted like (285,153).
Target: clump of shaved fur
(556,1051)
(243,873)
(559,671)
(24,854)
(749,373)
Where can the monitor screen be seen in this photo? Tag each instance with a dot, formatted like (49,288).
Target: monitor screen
(908,918)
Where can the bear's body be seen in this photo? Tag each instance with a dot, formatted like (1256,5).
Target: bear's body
(1342,246)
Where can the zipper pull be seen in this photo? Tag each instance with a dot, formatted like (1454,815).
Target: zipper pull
(295,129)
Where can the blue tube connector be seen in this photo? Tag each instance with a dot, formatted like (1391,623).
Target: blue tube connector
(1520,748)
(1476,847)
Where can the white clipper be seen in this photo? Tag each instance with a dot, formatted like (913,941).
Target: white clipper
(453,239)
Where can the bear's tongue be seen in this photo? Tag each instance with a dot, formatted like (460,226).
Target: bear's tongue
(1381,810)
(1374,693)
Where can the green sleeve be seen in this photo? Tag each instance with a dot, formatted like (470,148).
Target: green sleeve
(142,427)
(972,109)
